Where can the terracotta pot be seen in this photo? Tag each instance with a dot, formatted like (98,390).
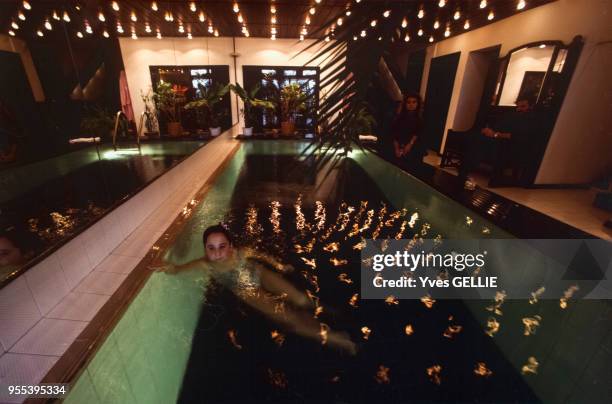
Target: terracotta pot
(175,129)
(288,128)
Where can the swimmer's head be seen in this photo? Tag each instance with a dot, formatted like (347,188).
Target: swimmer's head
(218,243)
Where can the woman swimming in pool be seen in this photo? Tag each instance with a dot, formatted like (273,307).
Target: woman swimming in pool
(240,271)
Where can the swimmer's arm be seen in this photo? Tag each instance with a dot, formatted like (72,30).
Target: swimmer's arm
(274,283)
(171,268)
(273,262)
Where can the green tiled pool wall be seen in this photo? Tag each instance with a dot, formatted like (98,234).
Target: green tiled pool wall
(144,358)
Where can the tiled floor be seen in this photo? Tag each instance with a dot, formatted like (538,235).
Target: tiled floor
(571,206)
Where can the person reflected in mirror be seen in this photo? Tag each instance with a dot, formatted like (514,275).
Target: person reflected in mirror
(240,270)
(407,132)
(505,142)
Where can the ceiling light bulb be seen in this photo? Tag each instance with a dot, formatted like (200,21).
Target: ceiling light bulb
(421,13)
(273,9)
(431,39)
(79,34)
(88,29)
(201,16)
(347,12)
(192,7)
(101,16)
(312,10)
(240,19)
(181,29)
(27,5)
(236,8)
(66,17)
(105,34)
(307,21)
(189,36)
(404,23)
(273,30)
(115,6)
(273,19)
(304,31)
(273,37)
(373,23)
(48,25)
(301,37)
(387,13)
(380,38)
(339,21)
(483,3)
(363,33)
(119,29)
(457,15)
(147,28)
(520,5)
(22,17)
(354,37)
(441,3)
(133,17)
(11,32)
(317,1)
(327,39)
(134,36)
(407,38)
(154,6)
(447,32)
(56,15)
(210,29)
(246,33)
(159,35)
(467,24)
(40,33)
(14,25)
(491,15)
(420,33)
(436,24)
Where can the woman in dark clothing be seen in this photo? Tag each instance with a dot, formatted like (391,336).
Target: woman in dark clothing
(406,130)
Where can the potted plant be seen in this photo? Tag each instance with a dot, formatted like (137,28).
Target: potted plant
(293,100)
(208,106)
(249,111)
(168,100)
(97,122)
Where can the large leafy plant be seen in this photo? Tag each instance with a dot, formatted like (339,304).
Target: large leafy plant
(251,103)
(168,100)
(292,101)
(208,104)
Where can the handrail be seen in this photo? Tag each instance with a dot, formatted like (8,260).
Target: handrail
(117,118)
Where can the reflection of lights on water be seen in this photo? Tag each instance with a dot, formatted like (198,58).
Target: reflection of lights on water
(531,324)
(413,220)
(320,215)
(344,278)
(300,220)
(428,301)
(492,327)
(275,216)
(531,366)
(434,373)
(391,300)
(117,154)
(354,299)
(452,330)
(469,220)
(323,330)
(486,230)
(409,330)
(482,370)
(310,262)
(366,332)
(277,379)
(567,295)
(332,247)
(277,337)
(232,337)
(360,246)
(535,295)
(382,375)
(400,233)
(337,262)
(500,297)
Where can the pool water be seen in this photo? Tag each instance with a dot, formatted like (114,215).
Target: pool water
(178,341)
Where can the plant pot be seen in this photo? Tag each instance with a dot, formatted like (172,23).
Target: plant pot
(175,129)
(287,128)
(215,131)
(247,131)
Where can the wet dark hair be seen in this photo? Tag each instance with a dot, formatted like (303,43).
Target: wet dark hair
(218,228)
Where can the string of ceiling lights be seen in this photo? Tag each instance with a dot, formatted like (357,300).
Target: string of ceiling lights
(403,31)
(115,14)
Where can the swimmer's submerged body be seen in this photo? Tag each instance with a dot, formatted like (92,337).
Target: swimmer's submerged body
(240,271)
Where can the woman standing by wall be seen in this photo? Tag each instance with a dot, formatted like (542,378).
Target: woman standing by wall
(406,131)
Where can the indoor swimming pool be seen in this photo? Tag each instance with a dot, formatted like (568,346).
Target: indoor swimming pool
(177,341)
(43,204)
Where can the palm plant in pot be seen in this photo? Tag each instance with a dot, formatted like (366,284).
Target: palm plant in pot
(292,101)
(168,100)
(249,111)
(208,106)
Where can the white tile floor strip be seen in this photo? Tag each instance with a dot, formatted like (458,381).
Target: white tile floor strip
(44,310)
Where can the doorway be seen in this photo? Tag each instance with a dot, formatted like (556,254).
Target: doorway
(437,98)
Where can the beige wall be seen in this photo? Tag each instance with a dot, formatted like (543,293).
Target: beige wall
(139,54)
(10,44)
(580,147)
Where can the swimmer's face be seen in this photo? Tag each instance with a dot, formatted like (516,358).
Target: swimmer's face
(218,247)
